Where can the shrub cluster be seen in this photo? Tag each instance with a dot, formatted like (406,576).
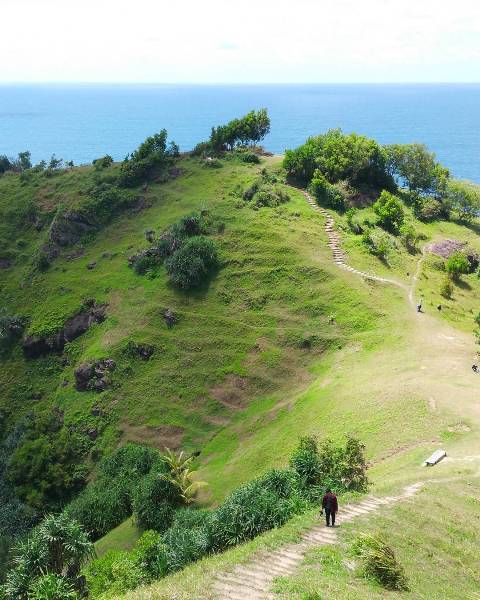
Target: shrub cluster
(189,255)
(326,193)
(152,155)
(185,535)
(379,562)
(250,129)
(265,191)
(108,501)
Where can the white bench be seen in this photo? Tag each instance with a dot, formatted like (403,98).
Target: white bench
(435,458)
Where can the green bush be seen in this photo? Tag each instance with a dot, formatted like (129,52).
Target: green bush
(58,545)
(183,545)
(150,554)
(193,263)
(114,573)
(457,264)
(378,243)
(389,209)
(133,460)
(247,512)
(305,461)
(326,193)
(352,221)
(430,209)
(154,500)
(446,288)
(107,501)
(52,587)
(379,562)
(102,163)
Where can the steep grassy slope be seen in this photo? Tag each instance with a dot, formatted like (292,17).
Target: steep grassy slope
(253,330)
(279,344)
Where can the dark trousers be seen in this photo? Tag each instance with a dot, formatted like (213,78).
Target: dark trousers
(330,514)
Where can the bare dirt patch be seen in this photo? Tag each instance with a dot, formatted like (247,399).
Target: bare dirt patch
(160,436)
(232,393)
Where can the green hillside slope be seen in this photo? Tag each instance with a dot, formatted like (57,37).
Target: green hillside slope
(279,342)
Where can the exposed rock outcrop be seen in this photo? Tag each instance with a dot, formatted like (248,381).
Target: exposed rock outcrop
(34,346)
(94,375)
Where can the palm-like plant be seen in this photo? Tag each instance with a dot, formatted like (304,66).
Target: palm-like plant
(181,476)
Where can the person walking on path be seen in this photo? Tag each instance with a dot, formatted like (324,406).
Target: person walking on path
(330,506)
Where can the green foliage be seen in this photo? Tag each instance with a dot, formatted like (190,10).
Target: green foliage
(46,467)
(338,156)
(193,263)
(114,573)
(263,192)
(409,236)
(155,498)
(152,154)
(389,210)
(457,264)
(352,221)
(378,243)
(326,193)
(103,163)
(108,500)
(52,587)
(250,129)
(343,468)
(464,198)
(11,328)
(247,512)
(57,546)
(430,209)
(446,288)
(305,461)
(417,168)
(379,562)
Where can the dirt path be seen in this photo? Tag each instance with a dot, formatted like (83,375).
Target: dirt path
(254,580)
(437,368)
(338,254)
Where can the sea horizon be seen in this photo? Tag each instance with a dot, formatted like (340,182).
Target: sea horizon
(81,121)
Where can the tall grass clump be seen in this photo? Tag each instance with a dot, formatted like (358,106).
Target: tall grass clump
(379,562)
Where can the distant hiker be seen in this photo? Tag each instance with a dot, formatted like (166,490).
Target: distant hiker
(330,506)
(439,307)
(419,307)
(475,368)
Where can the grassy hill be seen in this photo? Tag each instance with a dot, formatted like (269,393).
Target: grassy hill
(278,344)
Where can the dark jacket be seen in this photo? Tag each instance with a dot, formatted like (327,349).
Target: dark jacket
(329,502)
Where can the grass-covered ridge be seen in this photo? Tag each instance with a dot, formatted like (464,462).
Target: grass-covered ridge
(194,303)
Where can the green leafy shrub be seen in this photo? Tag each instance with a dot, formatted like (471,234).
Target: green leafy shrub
(377,242)
(457,264)
(306,462)
(150,554)
(58,546)
(430,209)
(446,288)
(409,236)
(107,501)
(389,210)
(152,154)
(193,263)
(183,545)
(352,221)
(114,573)
(379,562)
(11,328)
(246,156)
(326,193)
(154,500)
(248,511)
(103,163)
(52,587)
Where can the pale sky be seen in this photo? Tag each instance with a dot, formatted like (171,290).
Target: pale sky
(231,41)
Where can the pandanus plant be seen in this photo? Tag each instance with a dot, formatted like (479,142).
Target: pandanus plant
(181,476)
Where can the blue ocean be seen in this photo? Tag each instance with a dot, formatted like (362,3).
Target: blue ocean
(83,122)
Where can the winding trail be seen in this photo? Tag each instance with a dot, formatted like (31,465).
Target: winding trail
(254,580)
(338,254)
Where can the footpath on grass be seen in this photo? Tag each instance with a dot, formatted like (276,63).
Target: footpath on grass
(254,580)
